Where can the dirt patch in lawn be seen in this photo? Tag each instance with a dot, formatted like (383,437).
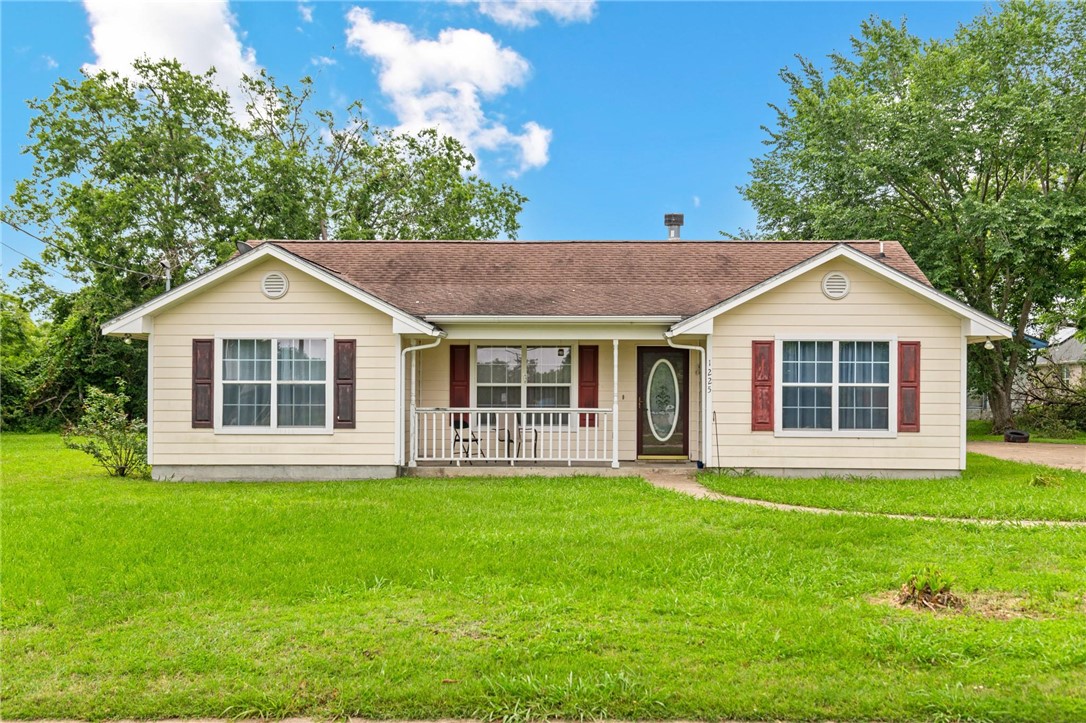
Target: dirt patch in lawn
(991,605)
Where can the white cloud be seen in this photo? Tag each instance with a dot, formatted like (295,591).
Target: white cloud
(697,201)
(322,60)
(306,12)
(50,61)
(442,82)
(199,34)
(524,13)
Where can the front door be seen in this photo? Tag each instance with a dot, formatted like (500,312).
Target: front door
(662,402)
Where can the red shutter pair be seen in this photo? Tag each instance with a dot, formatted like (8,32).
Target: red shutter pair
(588,379)
(203,383)
(908,386)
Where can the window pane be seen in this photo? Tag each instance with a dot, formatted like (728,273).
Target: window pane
(806,407)
(301,405)
(302,359)
(864,362)
(549,365)
(813,362)
(497,365)
(246,405)
(246,360)
(548,397)
(498,396)
(864,408)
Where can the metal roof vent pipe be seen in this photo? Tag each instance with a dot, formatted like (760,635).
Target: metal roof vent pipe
(674,222)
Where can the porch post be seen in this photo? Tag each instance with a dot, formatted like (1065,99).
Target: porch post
(399,400)
(614,404)
(414,417)
(707,454)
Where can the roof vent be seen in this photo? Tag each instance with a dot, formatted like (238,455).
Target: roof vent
(274,285)
(674,222)
(835,285)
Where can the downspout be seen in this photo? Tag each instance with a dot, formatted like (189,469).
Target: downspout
(414,386)
(704,397)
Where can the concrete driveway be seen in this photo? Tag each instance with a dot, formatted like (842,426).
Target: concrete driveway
(1065,456)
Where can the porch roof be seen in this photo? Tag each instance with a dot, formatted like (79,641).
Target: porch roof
(568,278)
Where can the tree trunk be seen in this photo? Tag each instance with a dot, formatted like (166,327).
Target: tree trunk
(999,398)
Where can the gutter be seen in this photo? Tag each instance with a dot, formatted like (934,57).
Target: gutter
(414,385)
(704,395)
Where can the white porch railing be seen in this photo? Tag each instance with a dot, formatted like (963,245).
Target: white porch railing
(513,435)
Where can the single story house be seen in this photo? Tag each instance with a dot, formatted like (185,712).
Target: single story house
(1066,356)
(361,359)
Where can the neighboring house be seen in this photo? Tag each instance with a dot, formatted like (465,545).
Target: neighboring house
(355,359)
(1067,358)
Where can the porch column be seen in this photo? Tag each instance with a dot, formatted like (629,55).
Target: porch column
(614,404)
(413,457)
(707,454)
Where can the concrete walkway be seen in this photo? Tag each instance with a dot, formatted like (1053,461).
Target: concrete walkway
(686,483)
(1064,456)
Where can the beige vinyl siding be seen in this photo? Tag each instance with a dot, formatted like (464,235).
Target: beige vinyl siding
(433,389)
(237,306)
(873,307)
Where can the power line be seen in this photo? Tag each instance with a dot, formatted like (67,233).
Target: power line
(69,252)
(38,261)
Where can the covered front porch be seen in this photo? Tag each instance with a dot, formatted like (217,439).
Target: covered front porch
(552,396)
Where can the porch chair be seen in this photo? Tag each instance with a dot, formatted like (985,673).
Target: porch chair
(464,436)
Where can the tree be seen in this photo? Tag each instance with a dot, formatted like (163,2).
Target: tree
(21,343)
(142,176)
(313,176)
(970,151)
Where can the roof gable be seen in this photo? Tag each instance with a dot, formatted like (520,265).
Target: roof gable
(136,321)
(981,325)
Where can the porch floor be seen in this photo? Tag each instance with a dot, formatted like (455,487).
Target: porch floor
(549,469)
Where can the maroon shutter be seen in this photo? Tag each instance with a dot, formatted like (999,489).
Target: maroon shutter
(460,377)
(588,382)
(344,384)
(908,386)
(203,383)
(761,388)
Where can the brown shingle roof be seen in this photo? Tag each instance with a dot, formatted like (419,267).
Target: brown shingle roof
(567,278)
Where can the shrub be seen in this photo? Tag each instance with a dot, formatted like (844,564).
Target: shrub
(928,588)
(106,432)
(1044,480)
(1054,421)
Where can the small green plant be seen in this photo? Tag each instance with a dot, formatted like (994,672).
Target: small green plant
(929,588)
(105,431)
(1044,479)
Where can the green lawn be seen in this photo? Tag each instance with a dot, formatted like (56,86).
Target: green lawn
(980,430)
(989,488)
(511,598)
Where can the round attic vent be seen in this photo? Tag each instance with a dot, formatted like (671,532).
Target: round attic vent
(274,285)
(835,285)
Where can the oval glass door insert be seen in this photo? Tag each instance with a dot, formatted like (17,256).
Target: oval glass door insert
(662,400)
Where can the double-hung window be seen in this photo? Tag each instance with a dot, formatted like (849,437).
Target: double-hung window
(533,377)
(274,384)
(835,386)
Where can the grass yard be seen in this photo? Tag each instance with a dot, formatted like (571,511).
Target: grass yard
(980,430)
(989,488)
(511,598)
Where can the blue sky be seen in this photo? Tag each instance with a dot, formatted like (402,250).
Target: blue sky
(605,114)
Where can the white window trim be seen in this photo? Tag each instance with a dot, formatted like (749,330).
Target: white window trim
(574,383)
(275,337)
(834,433)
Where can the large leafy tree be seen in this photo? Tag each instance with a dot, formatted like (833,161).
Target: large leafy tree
(317,176)
(971,151)
(151,175)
